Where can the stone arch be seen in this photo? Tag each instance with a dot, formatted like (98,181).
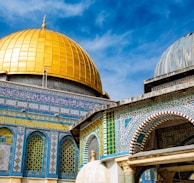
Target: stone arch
(144,130)
(36,148)
(88,147)
(68,160)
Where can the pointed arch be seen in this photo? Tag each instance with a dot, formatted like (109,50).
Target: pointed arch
(144,130)
(36,147)
(68,160)
(6,145)
(92,143)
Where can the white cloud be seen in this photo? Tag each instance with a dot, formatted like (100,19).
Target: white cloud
(106,41)
(66,10)
(125,79)
(10,8)
(119,90)
(101,18)
(122,71)
(99,46)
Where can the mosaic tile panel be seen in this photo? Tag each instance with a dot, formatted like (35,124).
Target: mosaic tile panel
(9,102)
(125,132)
(34,120)
(19,150)
(15,95)
(110,126)
(5,154)
(96,128)
(150,123)
(104,134)
(53,153)
(6,139)
(173,83)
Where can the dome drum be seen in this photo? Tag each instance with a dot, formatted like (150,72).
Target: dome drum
(167,80)
(51,83)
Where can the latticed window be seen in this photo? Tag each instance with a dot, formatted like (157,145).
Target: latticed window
(67,163)
(93,146)
(35,153)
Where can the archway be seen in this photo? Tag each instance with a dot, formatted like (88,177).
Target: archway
(67,161)
(168,118)
(164,133)
(35,160)
(6,145)
(92,144)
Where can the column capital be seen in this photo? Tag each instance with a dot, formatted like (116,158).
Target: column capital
(128,169)
(123,163)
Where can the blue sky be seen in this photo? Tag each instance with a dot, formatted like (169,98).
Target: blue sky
(125,38)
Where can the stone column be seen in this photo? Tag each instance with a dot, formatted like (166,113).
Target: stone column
(129,173)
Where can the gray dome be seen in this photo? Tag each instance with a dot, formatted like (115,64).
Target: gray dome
(178,56)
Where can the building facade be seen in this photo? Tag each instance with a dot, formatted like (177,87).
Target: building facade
(47,83)
(53,113)
(148,138)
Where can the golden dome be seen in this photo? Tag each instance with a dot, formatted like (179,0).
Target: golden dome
(33,51)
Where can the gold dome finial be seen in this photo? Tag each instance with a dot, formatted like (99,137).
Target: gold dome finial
(44,23)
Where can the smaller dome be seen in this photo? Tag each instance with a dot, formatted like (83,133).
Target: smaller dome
(93,172)
(178,56)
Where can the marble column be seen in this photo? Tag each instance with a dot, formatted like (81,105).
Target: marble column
(128,170)
(129,173)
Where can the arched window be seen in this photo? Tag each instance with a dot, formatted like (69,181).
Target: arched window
(35,153)
(6,139)
(67,158)
(93,146)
